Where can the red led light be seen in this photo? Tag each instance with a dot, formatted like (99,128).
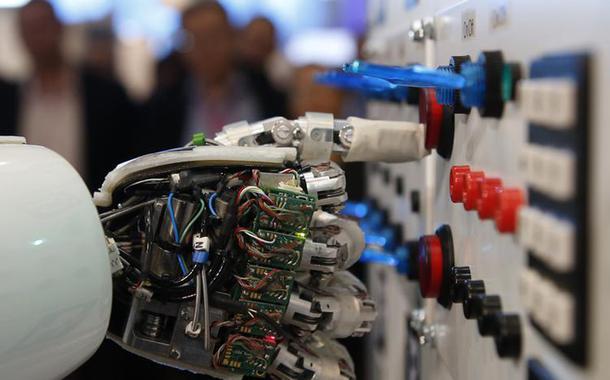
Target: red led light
(430,262)
(490,194)
(456,182)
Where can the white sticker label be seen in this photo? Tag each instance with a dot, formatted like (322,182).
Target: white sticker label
(468,24)
(499,15)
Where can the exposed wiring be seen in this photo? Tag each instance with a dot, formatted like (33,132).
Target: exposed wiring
(206,310)
(113,214)
(251,189)
(193,328)
(293,172)
(249,284)
(255,236)
(211,200)
(248,344)
(174,283)
(156,181)
(192,221)
(170,207)
(182,264)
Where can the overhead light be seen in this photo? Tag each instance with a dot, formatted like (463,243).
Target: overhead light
(12,3)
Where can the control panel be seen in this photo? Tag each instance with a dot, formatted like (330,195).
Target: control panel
(489,257)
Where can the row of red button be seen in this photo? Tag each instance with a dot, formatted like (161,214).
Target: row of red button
(487,196)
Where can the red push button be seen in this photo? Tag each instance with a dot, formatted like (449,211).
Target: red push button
(456,182)
(509,202)
(431,115)
(430,261)
(472,189)
(490,193)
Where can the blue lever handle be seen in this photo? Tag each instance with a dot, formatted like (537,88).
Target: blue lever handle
(411,76)
(354,82)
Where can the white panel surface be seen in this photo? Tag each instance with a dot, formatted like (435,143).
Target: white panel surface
(523,30)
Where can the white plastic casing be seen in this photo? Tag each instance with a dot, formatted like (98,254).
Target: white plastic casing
(388,141)
(55,283)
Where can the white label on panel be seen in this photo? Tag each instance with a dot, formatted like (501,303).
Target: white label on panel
(468,24)
(498,16)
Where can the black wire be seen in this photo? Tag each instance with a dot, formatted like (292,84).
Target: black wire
(174,283)
(130,259)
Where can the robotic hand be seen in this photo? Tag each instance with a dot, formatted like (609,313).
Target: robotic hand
(227,258)
(231,256)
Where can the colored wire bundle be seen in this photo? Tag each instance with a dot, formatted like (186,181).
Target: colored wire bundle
(249,283)
(189,225)
(249,345)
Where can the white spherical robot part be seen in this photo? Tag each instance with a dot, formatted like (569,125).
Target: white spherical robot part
(55,282)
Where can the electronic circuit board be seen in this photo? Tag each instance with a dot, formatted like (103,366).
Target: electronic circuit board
(256,326)
(247,355)
(265,284)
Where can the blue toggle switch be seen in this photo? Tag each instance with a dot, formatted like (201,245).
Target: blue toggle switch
(412,76)
(354,82)
(375,88)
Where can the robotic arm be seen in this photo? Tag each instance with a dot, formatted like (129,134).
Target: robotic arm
(229,258)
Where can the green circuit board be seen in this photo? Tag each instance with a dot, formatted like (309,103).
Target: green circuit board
(284,252)
(258,326)
(263,284)
(294,212)
(247,355)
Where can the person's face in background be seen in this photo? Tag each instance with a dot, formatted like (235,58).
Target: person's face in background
(257,42)
(210,55)
(308,96)
(100,54)
(41,32)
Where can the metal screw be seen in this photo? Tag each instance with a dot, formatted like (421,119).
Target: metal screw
(316,135)
(346,135)
(298,133)
(424,332)
(174,354)
(282,132)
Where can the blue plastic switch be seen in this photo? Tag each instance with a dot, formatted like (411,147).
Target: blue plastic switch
(411,76)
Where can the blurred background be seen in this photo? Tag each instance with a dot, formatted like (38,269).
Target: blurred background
(135,35)
(102,81)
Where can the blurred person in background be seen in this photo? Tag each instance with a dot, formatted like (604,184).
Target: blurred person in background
(258,58)
(170,72)
(100,55)
(85,118)
(215,92)
(258,53)
(257,43)
(8,103)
